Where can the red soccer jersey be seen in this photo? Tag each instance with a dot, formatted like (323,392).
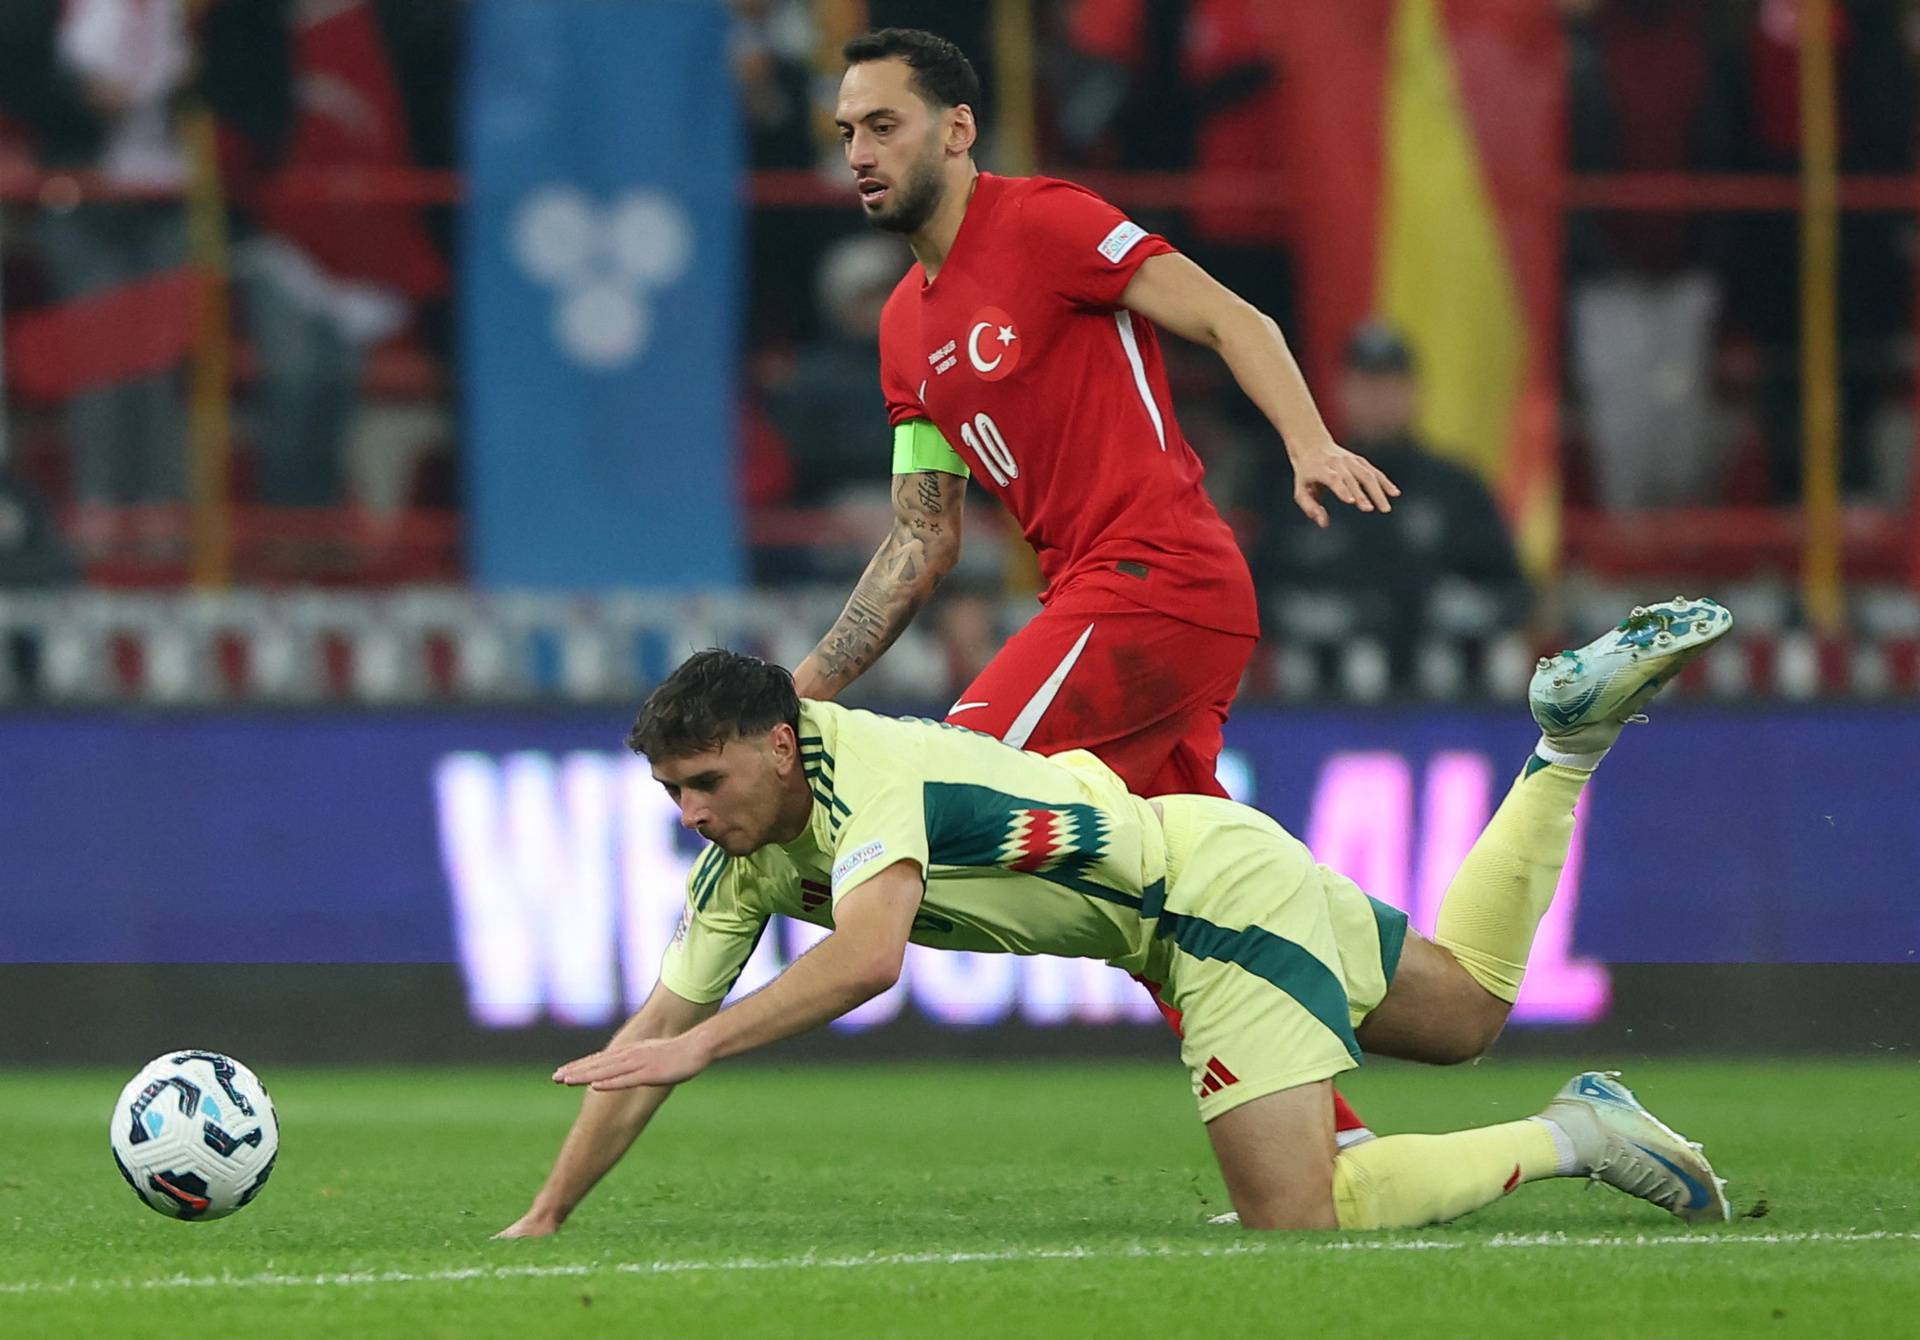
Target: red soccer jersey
(1056,397)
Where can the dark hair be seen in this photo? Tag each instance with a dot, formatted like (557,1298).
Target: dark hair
(942,74)
(715,696)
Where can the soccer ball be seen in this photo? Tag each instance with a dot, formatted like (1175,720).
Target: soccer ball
(195,1135)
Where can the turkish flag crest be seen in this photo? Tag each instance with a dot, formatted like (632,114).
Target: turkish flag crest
(993,345)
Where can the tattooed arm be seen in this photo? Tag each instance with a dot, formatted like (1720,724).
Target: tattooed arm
(920,549)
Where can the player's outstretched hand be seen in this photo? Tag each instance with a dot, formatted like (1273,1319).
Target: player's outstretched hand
(651,1061)
(530,1225)
(1349,476)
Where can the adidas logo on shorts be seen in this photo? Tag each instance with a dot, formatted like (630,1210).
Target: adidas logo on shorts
(1217,1076)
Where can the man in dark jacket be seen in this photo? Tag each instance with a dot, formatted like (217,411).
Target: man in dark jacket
(1441,564)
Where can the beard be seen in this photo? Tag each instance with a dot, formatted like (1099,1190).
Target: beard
(915,197)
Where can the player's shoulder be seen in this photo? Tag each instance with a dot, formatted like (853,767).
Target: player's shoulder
(896,314)
(908,286)
(904,292)
(1048,212)
(1033,197)
(709,870)
(873,749)
(830,729)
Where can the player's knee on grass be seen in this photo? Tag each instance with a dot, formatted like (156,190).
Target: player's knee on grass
(1434,1011)
(1276,1155)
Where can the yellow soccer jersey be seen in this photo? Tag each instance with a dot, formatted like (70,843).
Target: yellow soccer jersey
(1023,854)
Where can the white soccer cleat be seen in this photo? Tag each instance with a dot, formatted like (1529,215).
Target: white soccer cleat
(1626,1146)
(1582,697)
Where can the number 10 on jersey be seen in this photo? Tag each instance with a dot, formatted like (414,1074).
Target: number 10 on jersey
(983,438)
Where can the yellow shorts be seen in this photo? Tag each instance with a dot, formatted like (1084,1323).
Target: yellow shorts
(1270,959)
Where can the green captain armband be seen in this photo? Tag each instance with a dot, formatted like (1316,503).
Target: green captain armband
(918,445)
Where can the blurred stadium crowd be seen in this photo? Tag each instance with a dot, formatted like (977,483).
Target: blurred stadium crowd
(139,137)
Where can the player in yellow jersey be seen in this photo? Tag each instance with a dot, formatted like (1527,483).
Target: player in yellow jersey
(889,831)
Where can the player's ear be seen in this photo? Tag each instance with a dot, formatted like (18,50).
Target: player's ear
(962,131)
(783,746)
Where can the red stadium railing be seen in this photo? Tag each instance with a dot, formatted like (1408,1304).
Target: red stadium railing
(1731,542)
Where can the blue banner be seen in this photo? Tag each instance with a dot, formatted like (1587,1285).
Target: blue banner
(600,295)
(531,850)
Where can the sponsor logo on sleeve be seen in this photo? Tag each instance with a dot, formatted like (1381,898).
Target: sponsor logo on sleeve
(855,860)
(1125,235)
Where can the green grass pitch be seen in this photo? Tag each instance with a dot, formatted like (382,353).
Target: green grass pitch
(968,1200)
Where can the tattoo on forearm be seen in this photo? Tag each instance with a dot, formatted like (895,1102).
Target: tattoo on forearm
(882,605)
(894,586)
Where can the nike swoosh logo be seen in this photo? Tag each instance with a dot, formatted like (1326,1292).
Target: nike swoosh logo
(1023,725)
(1700,1199)
(962,707)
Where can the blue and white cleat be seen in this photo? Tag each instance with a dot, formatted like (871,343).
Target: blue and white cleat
(1582,697)
(1626,1146)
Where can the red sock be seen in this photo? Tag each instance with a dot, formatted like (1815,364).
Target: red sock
(1344,1117)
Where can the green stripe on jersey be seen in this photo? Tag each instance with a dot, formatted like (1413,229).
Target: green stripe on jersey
(702,867)
(818,768)
(974,825)
(1153,900)
(707,872)
(1280,961)
(1392,923)
(1055,841)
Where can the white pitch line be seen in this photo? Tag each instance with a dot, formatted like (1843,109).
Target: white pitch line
(1137,1251)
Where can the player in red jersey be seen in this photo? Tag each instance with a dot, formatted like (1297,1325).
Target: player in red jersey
(1020,349)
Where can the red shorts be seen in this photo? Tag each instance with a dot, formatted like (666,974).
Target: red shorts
(1144,692)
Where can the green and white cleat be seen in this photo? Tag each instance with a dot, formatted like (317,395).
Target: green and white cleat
(1582,697)
(1626,1146)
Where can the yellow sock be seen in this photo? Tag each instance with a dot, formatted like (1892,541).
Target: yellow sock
(1503,888)
(1405,1181)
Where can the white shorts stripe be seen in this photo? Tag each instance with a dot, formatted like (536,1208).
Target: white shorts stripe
(1124,320)
(1022,728)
